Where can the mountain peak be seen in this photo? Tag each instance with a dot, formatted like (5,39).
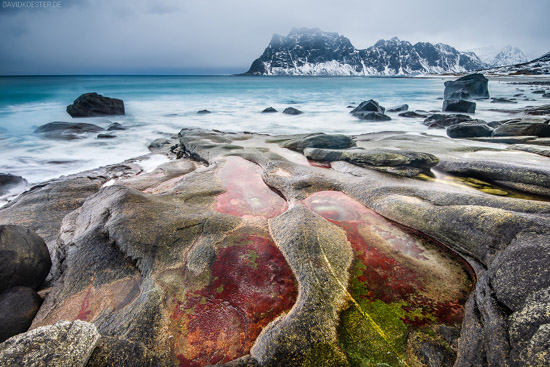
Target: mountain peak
(310,51)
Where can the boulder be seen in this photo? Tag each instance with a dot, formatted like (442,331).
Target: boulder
(476,85)
(440,121)
(368,106)
(292,111)
(115,126)
(106,136)
(469,130)
(18,305)
(24,258)
(412,114)
(269,110)
(203,112)
(66,130)
(61,345)
(328,141)
(93,104)
(502,100)
(8,181)
(460,94)
(403,163)
(400,108)
(372,116)
(459,106)
(539,91)
(521,128)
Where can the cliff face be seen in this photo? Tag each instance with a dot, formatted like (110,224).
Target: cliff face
(314,52)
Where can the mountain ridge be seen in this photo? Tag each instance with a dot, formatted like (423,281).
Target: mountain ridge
(310,51)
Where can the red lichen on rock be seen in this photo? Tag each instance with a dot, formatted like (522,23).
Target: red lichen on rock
(250,285)
(246,192)
(397,266)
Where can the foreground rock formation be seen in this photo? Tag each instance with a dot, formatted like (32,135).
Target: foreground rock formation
(303,250)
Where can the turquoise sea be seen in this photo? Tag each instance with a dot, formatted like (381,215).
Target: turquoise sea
(160,105)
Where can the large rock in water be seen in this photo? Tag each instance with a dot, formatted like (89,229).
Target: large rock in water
(469,130)
(66,130)
(18,305)
(8,182)
(24,258)
(440,121)
(523,128)
(368,106)
(475,85)
(93,104)
(459,106)
(61,345)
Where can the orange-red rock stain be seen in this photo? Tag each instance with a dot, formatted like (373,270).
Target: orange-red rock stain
(250,285)
(384,276)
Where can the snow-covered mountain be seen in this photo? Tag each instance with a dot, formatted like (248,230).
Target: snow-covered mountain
(306,51)
(538,66)
(493,56)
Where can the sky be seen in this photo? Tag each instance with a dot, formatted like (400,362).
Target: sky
(225,36)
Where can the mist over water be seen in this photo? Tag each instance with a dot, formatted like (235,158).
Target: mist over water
(159,106)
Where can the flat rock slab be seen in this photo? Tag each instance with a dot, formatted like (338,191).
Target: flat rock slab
(63,344)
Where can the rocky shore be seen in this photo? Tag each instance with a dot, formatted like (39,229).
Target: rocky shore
(245,249)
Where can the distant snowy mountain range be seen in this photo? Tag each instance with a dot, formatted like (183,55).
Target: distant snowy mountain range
(493,56)
(307,51)
(538,66)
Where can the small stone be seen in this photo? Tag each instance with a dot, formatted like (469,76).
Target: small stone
(292,111)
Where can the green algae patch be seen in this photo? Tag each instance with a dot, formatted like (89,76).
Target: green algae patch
(399,283)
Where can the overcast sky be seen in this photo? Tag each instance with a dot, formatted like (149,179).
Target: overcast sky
(225,36)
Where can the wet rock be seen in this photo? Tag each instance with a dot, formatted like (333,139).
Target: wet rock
(368,106)
(93,104)
(292,111)
(537,111)
(307,334)
(203,112)
(35,209)
(18,305)
(106,136)
(114,351)
(66,130)
(269,110)
(115,126)
(24,258)
(459,106)
(502,100)
(532,148)
(506,139)
(535,180)
(63,344)
(476,85)
(400,108)
(440,121)
(460,94)
(469,130)
(431,352)
(539,91)
(546,95)
(8,182)
(327,141)
(412,114)
(405,163)
(522,127)
(372,116)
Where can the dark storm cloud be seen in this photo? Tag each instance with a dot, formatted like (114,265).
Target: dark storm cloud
(192,36)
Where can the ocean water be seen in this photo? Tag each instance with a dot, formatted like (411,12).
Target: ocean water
(160,105)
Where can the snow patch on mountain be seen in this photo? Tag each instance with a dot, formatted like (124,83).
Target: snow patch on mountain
(494,56)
